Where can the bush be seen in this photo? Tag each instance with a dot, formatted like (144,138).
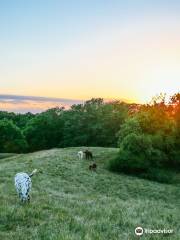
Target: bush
(133,155)
(137,154)
(148,144)
(159,175)
(136,167)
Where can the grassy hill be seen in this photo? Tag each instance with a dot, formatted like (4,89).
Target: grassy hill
(69,202)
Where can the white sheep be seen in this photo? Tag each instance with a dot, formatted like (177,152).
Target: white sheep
(23,185)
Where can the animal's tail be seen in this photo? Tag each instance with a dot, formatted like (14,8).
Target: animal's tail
(33,172)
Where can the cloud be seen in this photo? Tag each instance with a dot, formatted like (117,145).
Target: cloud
(23,104)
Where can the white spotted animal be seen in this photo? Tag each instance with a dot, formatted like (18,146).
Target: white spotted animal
(23,185)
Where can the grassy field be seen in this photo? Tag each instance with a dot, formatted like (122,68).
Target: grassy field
(69,202)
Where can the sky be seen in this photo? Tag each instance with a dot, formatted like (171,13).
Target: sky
(89,48)
(24,104)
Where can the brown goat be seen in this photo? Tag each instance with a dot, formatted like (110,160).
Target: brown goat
(88,154)
(93,167)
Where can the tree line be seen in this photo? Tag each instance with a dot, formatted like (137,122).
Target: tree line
(94,123)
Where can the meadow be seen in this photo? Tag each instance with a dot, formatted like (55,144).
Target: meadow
(69,202)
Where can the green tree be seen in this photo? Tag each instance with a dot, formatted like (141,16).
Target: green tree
(94,123)
(45,130)
(148,140)
(11,138)
(175,113)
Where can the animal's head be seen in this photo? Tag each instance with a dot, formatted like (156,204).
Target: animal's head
(34,171)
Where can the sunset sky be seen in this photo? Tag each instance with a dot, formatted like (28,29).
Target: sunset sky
(96,48)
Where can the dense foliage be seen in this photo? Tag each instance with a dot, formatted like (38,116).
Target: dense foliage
(149,141)
(94,123)
(11,137)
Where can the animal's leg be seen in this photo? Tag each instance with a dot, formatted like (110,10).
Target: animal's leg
(21,197)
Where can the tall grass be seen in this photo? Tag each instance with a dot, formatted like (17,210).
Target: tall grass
(69,202)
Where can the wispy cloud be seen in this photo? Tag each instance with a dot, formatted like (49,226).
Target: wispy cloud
(22,104)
